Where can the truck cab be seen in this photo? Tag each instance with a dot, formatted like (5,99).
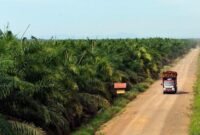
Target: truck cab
(169,82)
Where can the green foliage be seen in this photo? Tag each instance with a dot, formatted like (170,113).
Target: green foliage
(5,127)
(25,129)
(58,84)
(195,122)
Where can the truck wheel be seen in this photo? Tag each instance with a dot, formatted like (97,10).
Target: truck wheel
(164,92)
(175,91)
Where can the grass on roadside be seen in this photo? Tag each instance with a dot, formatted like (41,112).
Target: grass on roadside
(94,124)
(195,122)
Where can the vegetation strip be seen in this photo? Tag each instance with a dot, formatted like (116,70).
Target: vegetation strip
(54,86)
(195,120)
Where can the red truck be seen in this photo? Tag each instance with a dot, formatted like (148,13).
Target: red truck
(169,82)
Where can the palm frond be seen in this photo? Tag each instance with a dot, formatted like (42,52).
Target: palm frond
(20,128)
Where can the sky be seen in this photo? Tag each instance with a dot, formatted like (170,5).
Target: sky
(102,18)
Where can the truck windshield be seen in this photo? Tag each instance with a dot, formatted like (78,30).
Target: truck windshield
(168,83)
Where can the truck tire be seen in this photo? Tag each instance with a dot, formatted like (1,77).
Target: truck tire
(164,92)
(175,90)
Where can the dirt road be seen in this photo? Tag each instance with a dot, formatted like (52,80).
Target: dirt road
(153,113)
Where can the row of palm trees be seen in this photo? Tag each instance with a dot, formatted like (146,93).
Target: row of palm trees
(52,86)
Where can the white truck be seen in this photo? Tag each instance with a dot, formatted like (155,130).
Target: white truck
(169,82)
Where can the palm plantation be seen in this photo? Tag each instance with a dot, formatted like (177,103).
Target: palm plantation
(52,86)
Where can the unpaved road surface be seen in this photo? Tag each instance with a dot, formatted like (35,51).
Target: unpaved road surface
(154,113)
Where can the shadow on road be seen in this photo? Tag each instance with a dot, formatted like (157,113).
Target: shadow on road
(182,92)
